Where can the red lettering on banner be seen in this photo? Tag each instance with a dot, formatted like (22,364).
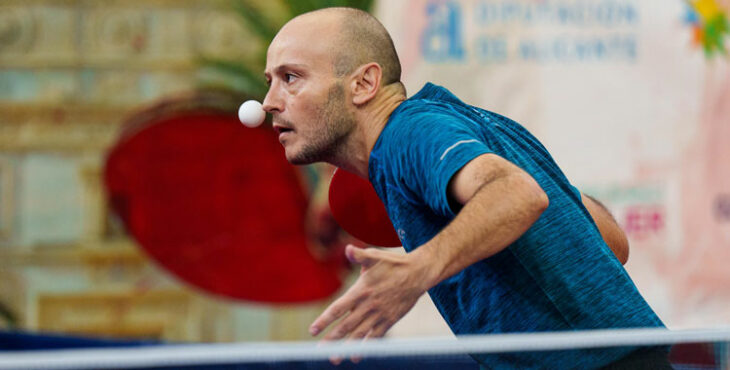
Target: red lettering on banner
(641,221)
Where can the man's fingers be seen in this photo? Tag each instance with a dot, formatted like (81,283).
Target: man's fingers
(356,359)
(372,327)
(361,256)
(335,360)
(362,330)
(361,333)
(349,325)
(336,310)
(378,330)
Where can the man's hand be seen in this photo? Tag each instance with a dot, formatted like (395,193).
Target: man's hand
(388,287)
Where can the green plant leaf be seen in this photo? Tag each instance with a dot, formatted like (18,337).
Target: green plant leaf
(257,22)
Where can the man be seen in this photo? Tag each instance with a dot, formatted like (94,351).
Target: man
(495,232)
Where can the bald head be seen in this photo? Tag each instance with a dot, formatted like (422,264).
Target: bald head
(359,39)
(334,79)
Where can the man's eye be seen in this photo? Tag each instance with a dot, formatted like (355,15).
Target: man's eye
(289,78)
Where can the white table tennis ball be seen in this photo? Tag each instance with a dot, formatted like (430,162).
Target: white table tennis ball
(251,114)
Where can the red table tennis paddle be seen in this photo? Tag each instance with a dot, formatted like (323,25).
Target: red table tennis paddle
(359,211)
(217,204)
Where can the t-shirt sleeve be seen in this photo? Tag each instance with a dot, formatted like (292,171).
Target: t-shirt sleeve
(576,192)
(433,146)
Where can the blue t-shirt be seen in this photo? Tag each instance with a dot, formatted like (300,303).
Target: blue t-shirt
(559,275)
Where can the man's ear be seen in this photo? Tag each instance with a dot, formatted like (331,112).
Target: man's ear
(365,83)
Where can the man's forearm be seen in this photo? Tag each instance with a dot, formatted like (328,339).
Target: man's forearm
(497,215)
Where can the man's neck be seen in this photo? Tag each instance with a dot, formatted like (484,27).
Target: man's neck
(370,123)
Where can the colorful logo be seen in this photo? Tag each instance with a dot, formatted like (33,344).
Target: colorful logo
(710,25)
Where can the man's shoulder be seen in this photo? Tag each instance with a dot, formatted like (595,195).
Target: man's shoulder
(421,106)
(424,116)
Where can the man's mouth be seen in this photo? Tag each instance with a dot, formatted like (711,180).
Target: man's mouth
(282,130)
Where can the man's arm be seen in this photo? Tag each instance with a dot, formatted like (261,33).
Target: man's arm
(609,229)
(501,202)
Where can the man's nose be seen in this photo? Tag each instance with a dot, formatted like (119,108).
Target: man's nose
(272,103)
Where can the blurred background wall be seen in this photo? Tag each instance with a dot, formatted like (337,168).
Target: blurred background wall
(71,72)
(630,96)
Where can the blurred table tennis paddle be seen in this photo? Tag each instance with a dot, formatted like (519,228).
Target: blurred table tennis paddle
(215,204)
(359,211)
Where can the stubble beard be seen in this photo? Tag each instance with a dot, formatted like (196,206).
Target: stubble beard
(338,124)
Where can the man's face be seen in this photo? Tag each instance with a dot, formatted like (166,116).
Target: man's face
(306,99)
